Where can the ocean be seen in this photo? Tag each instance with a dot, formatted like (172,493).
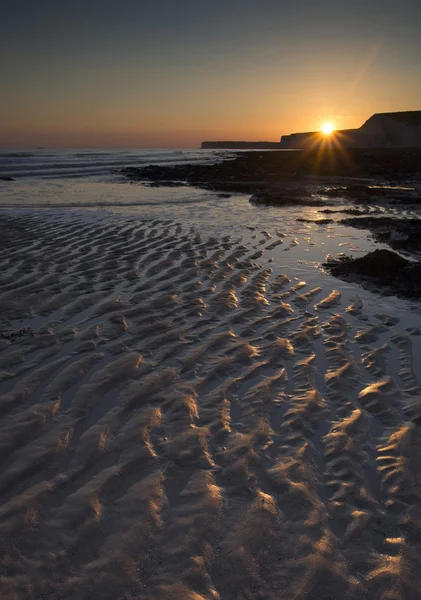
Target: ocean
(99,165)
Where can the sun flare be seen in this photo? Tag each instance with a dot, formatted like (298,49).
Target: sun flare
(327,128)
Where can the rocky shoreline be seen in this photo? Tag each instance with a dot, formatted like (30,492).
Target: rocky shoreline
(258,171)
(322,178)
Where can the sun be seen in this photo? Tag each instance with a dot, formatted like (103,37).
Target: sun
(327,128)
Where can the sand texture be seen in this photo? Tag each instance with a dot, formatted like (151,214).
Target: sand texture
(181,422)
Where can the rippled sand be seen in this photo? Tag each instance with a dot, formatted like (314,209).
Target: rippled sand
(185,423)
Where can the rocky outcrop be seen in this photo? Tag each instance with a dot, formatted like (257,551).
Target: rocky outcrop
(390,272)
(253,172)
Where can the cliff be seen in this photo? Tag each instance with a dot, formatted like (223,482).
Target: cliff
(382,130)
(392,130)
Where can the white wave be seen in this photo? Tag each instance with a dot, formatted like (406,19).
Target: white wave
(89,163)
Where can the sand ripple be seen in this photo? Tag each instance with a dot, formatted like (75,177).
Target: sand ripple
(180,422)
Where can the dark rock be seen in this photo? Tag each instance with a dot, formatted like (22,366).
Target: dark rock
(351,191)
(317,221)
(356,193)
(380,264)
(11,335)
(359,189)
(255,171)
(353,211)
(166,184)
(398,233)
(384,267)
(367,194)
(347,211)
(6,178)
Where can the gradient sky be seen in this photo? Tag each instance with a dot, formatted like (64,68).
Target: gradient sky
(170,73)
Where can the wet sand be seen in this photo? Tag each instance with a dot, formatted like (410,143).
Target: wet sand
(185,422)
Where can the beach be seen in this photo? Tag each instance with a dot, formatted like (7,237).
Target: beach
(192,407)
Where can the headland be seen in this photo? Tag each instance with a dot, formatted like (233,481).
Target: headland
(381,130)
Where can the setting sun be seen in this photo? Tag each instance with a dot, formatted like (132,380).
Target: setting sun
(327,128)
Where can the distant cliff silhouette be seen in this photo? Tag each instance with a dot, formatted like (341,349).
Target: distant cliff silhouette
(382,130)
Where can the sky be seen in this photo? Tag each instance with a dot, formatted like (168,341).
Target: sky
(171,73)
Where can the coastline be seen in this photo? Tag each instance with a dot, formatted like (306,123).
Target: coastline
(254,171)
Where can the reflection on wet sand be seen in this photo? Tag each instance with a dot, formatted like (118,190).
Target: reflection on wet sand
(186,422)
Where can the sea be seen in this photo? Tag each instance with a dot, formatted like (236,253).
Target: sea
(99,165)
(93,180)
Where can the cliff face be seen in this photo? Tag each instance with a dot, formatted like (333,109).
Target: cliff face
(300,140)
(383,130)
(313,139)
(392,130)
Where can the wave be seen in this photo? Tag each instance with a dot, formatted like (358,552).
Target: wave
(79,163)
(17,154)
(104,204)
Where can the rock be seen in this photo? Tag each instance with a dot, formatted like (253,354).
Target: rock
(398,236)
(165,183)
(359,190)
(254,172)
(386,268)
(347,211)
(11,335)
(6,178)
(396,232)
(350,190)
(380,264)
(355,192)
(317,221)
